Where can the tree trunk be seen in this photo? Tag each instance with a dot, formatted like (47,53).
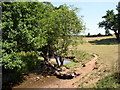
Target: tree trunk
(61,61)
(117,35)
(57,61)
(47,62)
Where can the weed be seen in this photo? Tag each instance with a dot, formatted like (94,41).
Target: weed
(108,82)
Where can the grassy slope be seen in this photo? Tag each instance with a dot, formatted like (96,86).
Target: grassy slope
(80,59)
(107,49)
(108,52)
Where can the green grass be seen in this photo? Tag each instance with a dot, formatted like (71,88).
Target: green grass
(108,82)
(81,57)
(107,41)
(108,52)
(72,65)
(107,49)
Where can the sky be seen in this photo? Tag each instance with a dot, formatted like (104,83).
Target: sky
(91,10)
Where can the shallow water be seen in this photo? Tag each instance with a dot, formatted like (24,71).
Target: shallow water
(66,61)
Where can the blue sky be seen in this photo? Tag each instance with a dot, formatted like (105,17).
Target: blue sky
(92,10)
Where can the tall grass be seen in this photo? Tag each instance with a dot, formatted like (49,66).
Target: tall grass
(110,81)
(81,57)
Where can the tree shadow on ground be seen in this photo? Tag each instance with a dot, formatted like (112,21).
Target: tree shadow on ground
(108,41)
(11,78)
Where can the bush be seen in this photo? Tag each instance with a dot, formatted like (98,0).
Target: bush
(20,62)
(11,62)
(29,60)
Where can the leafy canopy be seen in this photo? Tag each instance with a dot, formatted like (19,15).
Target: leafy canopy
(30,28)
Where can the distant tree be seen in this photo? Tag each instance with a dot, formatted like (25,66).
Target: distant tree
(99,34)
(110,22)
(88,34)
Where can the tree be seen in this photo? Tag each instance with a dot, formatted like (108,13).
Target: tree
(99,34)
(88,34)
(61,23)
(110,22)
(21,31)
(107,32)
(30,28)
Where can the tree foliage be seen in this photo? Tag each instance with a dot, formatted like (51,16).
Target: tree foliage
(20,31)
(110,22)
(30,28)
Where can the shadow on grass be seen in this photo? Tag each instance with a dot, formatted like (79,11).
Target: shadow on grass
(108,41)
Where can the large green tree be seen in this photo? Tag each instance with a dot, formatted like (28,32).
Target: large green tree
(61,23)
(21,31)
(30,28)
(111,22)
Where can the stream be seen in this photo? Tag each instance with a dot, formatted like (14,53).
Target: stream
(64,62)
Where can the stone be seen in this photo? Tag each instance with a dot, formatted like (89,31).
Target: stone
(63,68)
(66,75)
(95,68)
(57,73)
(48,76)
(84,65)
(37,77)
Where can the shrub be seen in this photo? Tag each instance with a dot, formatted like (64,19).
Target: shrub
(29,60)
(20,62)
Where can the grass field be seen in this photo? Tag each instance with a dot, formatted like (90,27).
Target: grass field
(107,49)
